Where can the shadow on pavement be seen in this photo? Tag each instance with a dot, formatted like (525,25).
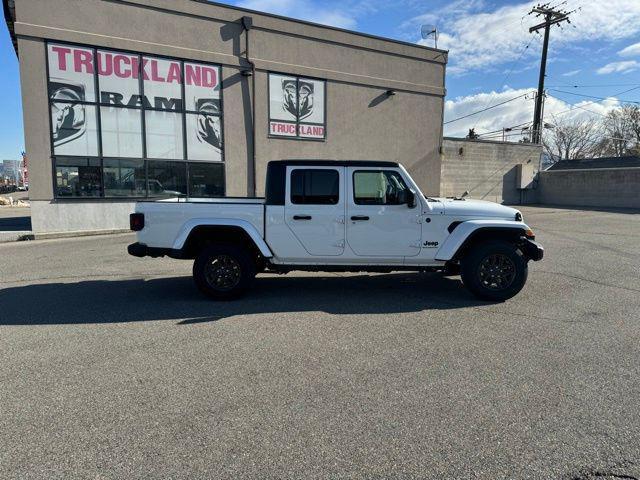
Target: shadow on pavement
(177,298)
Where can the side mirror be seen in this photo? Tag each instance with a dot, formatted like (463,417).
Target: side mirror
(411,198)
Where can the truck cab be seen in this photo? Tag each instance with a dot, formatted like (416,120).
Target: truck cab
(339,216)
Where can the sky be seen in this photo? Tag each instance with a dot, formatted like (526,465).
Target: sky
(492,57)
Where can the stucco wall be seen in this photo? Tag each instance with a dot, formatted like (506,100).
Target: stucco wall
(486,169)
(362,123)
(601,187)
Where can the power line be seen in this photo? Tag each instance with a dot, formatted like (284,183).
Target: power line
(598,98)
(510,71)
(504,129)
(602,85)
(487,108)
(592,102)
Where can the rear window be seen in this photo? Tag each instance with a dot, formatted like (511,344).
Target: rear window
(315,187)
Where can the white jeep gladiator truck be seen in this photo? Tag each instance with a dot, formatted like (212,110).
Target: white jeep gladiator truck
(353,216)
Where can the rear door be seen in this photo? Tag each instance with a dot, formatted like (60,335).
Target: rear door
(379,220)
(315,209)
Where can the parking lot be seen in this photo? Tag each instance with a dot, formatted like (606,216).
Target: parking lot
(115,367)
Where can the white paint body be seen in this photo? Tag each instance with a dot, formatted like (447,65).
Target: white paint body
(392,235)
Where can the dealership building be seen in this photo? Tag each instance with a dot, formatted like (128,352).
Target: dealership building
(142,99)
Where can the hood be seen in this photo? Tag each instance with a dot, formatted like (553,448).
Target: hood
(477,209)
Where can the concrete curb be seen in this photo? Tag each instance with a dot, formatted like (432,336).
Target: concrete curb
(79,233)
(18,236)
(6,237)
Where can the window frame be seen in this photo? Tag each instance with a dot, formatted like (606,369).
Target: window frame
(97,104)
(310,169)
(297,122)
(382,170)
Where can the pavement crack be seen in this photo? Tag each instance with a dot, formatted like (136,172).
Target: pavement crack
(576,277)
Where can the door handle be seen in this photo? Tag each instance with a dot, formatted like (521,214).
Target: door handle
(356,218)
(302,217)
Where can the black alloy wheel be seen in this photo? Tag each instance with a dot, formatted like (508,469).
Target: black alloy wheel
(223,271)
(496,270)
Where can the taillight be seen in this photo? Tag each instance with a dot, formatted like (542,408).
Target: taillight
(136,221)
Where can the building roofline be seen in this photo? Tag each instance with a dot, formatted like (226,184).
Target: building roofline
(320,25)
(9,17)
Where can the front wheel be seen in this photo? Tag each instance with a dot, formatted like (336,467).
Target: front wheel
(223,272)
(494,271)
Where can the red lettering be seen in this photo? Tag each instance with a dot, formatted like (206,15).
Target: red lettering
(83,60)
(119,63)
(193,74)
(154,72)
(209,77)
(62,56)
(174,75)
(105,64)
(135,67)
(283,128)
(145,75)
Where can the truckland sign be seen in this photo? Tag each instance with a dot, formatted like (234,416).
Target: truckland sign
(296,107)
(118,89)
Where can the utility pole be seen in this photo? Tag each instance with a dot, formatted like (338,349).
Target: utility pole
(551,17)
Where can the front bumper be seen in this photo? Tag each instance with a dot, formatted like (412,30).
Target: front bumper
(532,249)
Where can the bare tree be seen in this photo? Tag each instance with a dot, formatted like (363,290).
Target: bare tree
(573,139)
(622,131)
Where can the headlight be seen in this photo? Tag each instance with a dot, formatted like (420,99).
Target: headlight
(518,217)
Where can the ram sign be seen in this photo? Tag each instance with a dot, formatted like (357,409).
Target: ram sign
(134,98)
(296,107)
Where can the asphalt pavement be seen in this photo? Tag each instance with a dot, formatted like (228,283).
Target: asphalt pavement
(116,367)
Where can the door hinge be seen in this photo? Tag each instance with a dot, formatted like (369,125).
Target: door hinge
(340,219)
(340,244)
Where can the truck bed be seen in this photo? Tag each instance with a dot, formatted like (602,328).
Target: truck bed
(169,218)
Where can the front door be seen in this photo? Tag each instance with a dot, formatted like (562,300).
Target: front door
(379,220)
(315,208)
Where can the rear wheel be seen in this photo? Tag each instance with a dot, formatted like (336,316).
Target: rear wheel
(494,270)
(223,272)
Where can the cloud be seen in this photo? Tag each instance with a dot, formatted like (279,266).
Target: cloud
(517,112)
(303,10)
(477,40)
(619,67)
(630,51)
(571,73)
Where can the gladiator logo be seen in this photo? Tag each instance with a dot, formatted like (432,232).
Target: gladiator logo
(67,113)
(302,107)
(209,122)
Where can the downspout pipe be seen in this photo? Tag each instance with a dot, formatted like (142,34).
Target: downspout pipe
(247,25)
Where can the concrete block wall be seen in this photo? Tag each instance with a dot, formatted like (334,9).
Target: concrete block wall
(598,187)
(487,169)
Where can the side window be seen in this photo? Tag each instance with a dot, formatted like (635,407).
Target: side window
(315,187)
(380,187)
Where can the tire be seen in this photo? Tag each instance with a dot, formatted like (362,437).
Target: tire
(494,270)
(223,272)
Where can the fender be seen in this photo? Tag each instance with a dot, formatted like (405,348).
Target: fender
(457,238)
(186,229)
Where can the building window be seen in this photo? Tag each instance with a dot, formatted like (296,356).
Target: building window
(315,187)
(127,125)
(297,107)
(78,178)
